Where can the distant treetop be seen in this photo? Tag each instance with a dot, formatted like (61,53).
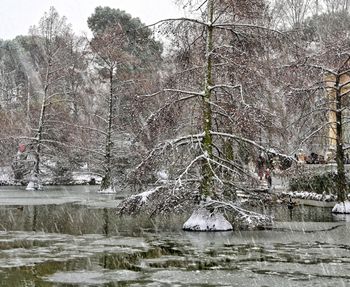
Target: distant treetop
(140,37)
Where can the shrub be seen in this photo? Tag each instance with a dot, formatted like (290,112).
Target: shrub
(319,183)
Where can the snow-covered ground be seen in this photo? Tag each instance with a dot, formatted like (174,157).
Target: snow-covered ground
(310,195)
(78,178)
(109,190)
(85,178)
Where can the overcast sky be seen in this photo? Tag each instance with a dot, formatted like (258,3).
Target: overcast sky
(16,16)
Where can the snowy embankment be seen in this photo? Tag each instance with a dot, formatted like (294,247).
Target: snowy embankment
(76,178)
(109,190)
(82,178)
(310,196)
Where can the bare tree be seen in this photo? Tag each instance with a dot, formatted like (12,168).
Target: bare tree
(49,38)
(291,13)
(333,6)
(110,49)
(215,84)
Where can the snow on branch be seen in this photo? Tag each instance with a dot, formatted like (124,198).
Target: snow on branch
(210,161)
(225,114)
(251,217)
(313,111)
(78,126)
(225,161)
(49,103)
(10,138)
(54,95)
(174,142)
(143,197)
(345,94)
(184,139)
(185,172)
(310,89)
(99,117)
(184,92)
(225,86)
(342,85)
(347,71)
(168,104)
(318,67)
(312,66)
(313,133)
(73,146)
(180,19)
(245,25)
(251,142)
(173,90)
(194,68)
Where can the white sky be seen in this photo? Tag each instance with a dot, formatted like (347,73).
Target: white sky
(16,16)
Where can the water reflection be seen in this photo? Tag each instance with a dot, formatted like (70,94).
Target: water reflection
(79,219)
(106,221)
(341,217)
(281,212)
(35,215)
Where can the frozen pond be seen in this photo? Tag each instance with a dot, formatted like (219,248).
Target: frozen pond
(70,236)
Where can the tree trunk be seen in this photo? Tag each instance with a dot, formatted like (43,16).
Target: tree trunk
(34,182)
(28,100)
(207,172)
(39,137)
(341,179)
(41,123)
(107,181)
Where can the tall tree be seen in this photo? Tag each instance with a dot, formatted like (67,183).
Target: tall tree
(109,47)
(210,90)
(131,55)
(49,40)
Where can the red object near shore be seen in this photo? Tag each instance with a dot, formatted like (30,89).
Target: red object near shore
(22,147)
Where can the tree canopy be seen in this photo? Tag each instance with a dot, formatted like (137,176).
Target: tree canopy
(140,40)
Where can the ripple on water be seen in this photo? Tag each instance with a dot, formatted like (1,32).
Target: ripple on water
(291,254)
(88,277)
(229,278)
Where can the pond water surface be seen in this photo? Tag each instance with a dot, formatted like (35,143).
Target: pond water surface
(70,236)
